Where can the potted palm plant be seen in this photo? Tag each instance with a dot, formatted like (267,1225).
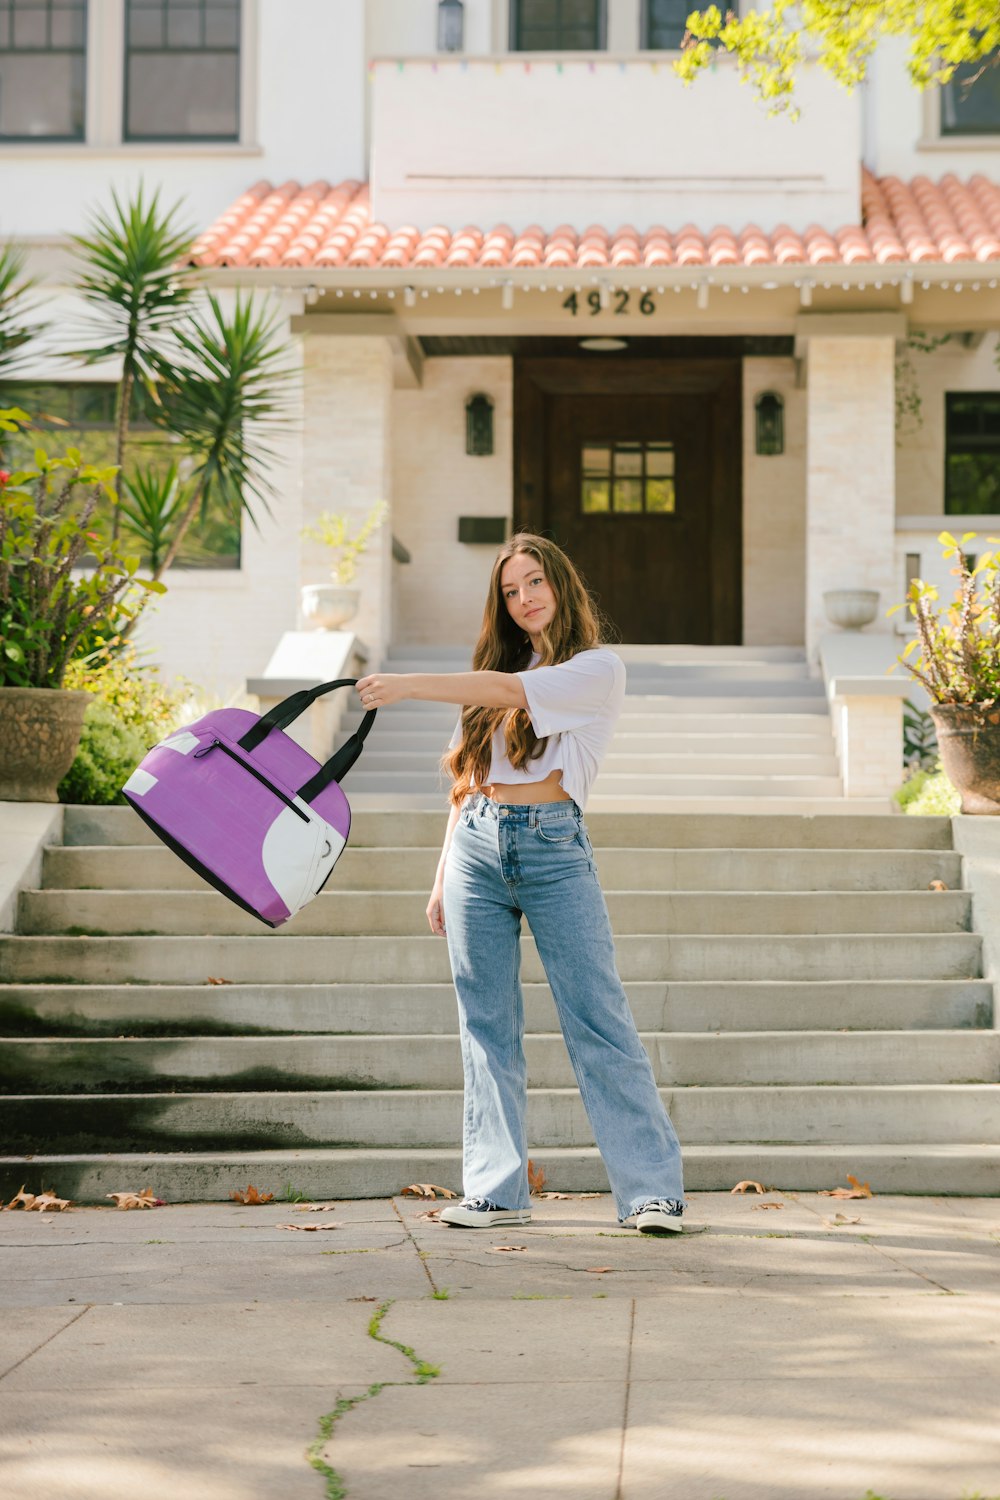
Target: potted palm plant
(52,609)
(956,651)
(327,606)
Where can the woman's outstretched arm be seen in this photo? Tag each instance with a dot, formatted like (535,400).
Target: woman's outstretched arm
(471,689)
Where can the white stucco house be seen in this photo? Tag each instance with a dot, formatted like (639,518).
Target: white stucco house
(732,361)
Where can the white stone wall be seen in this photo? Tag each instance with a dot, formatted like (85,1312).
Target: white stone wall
(850,480)
(774,513)
(902,132)
(920,440)
(439,596)
(869,736)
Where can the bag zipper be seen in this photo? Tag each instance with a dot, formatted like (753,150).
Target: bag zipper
(220,744)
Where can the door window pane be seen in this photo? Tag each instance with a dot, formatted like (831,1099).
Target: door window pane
(182,70)
(970,103)
(627,479)
(42,70)
(558,25)
(972,453)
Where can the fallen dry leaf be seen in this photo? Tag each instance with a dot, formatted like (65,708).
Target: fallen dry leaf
(48,1200)
(144,1199)
(431,1213)
(308,1228)
(27,1199)
(220,981)
(315,1208)
(742,1187)
(562,1197)
(505,1249)
(427,1190)
(937,885)
(581,1196)
(839,1219)
(252,1195)
(856,1190)
(536,1179)
(599,1270)
(362,1299)
(755,1206)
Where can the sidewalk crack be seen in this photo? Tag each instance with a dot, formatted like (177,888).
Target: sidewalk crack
(628,1387)
(32,1352)
(423,1371)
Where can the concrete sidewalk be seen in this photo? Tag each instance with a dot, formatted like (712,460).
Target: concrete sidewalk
(206,1353)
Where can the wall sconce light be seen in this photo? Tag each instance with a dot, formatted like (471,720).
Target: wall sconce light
(451,25)
(479,425)
(770,414)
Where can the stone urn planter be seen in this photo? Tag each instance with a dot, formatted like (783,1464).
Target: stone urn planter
(969,740)
(328,606)
(39,736)
(851,609)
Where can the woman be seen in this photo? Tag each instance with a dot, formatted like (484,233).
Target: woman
(539,711)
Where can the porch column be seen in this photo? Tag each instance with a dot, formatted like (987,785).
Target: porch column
(347,468)
(850,461)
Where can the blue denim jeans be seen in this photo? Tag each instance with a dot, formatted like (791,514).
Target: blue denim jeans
(507,860)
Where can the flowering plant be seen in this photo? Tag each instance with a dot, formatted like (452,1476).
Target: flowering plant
(958,645)
(347,546)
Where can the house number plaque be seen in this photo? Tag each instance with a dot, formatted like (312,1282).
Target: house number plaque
(622,301)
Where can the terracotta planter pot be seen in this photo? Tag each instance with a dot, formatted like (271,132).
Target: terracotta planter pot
(39,737)
(969,740)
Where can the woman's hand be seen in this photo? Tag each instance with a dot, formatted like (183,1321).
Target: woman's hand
(435,908)
(382,688)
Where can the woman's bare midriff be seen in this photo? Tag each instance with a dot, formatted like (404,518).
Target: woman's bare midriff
(548,790)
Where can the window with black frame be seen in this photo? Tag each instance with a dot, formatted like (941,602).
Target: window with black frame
(970,103)
(972,453)
(664,23)
(558,25)
(81,414)
(43,68)
(182,70)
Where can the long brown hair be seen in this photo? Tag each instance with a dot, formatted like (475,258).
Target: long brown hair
(505,647)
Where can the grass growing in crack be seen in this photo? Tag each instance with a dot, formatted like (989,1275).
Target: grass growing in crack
(441,1294)
(292,1195)
(335,1488)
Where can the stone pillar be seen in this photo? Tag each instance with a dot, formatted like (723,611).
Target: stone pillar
(850,463)
(347,465)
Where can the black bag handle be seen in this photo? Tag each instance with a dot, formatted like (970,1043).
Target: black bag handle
(286,712)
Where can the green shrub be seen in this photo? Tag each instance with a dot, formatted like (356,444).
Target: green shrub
(928,794)
(132,710)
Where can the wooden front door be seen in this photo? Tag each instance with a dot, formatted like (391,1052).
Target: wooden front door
(634,468)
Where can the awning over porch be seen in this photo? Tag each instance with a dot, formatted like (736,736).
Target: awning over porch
(324,226)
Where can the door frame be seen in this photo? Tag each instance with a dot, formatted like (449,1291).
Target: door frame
(718,380)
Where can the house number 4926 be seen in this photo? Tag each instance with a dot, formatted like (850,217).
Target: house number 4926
(621,303)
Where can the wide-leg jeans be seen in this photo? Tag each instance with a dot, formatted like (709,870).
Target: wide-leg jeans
(509,860)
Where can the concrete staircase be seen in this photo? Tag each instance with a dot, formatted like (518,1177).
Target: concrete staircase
(705,728)
(810,1006)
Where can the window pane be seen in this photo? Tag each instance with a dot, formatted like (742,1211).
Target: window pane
(970,103)
(596,496)
(628,459)
(660,459)
(558,25)
(30,27)
(222,26)
(972,446)
(146,25)
(972,484)
(666,22)
(660,496)
(69,25)
(193,95)
(183,25)
(628,495)
(596,460)
(41,96)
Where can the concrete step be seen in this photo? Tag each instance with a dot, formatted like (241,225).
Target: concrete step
(158,868)
(797,699)
(899,1114)
(374,828)
(936,1169)
(646,766)
(759,805)
(271,958)
(756,741)
(609,784)
(460,651)
(252,1064)
(364,914)
(192,1176)
(118,1010)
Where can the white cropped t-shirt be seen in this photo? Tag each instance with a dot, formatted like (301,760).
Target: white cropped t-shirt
(574,706)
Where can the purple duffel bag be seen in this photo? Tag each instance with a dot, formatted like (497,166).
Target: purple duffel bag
(246,807)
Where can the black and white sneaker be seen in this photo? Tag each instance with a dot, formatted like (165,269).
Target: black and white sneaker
(480,1213)
(659,1216)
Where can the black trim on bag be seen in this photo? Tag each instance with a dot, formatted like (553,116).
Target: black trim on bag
(282,796)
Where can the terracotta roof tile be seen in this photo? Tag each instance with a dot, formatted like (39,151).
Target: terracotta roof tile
(324,224)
